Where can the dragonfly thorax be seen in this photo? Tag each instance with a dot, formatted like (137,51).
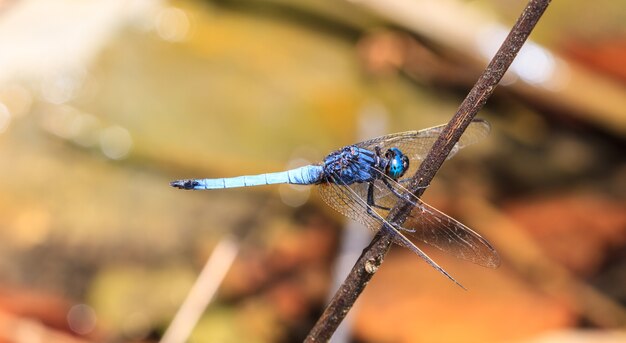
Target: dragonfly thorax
(353,164)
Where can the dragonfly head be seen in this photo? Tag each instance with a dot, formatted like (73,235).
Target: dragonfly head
(398,163)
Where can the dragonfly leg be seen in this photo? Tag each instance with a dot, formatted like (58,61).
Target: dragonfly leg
(370,204)
(377,150)
(401,196)
(370,198)
(398,194)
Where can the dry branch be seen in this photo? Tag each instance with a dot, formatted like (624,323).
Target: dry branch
(374,254)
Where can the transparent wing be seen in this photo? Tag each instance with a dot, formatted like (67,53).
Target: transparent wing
(435,228)
(441,231)
(425,223)
(415,144)
(348,202)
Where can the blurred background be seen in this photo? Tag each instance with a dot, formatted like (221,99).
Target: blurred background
(103,102)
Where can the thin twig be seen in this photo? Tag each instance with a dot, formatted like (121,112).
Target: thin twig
(203,291)
(374,254)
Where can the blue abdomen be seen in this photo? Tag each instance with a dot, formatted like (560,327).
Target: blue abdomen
(306,175)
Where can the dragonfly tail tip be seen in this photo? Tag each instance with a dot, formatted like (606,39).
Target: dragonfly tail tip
(184,184)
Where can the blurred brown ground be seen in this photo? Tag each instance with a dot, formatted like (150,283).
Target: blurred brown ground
(102,103)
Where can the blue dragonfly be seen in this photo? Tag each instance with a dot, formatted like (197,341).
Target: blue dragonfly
(365,180)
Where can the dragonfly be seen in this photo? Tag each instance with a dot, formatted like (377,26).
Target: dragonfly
(364,181)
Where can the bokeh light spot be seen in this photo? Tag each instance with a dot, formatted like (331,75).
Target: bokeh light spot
(82,319)
(60,88)
(534,64)
(172,24)
(58,121)
(115,142)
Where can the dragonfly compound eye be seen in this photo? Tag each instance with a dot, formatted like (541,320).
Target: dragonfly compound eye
(398,163)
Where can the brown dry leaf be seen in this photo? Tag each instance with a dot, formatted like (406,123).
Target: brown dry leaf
(408,302)
(48,309)
(577,229)
(604,55)
(295,250)
(29,316)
